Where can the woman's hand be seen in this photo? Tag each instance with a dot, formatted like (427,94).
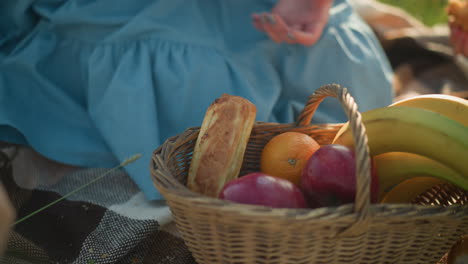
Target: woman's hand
(295,21)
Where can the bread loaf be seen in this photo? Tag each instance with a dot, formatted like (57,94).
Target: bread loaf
(219,150)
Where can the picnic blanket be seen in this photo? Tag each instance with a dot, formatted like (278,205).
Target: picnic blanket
(110,221)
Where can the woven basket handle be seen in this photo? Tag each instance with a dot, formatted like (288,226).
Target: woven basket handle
(363,175)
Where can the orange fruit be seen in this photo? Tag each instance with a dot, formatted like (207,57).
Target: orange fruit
(286,154)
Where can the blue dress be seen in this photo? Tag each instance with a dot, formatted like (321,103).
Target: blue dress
(90,83)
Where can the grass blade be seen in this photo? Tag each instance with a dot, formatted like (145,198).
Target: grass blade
(121,165)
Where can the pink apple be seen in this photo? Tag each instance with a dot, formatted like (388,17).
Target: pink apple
(329,177)
(261,189)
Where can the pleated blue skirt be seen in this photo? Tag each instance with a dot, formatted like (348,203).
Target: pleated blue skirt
(90,83)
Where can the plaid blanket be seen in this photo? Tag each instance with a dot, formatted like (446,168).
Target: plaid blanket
(108,222)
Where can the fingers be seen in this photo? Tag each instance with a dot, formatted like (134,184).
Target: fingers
(282,30)
(272,25)
(257,22)
(272,28)
(308,36)
(277,30)
(297,27)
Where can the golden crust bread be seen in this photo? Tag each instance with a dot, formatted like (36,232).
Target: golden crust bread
(219,151)
(458,13)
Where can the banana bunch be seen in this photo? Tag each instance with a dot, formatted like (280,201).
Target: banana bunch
(416,143)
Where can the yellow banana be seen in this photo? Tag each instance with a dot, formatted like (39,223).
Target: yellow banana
(394,168)
(448,105)
(409,189)
(414,130)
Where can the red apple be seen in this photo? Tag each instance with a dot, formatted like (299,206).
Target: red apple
(329,177)
(261,189)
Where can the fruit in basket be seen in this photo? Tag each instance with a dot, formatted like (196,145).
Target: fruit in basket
(329,177)
(451,106)
(286,154)
(219,150)
(409,189)
(258,188)
(413,130)
(395,167)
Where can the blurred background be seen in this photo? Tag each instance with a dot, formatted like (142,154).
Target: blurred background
(430,12)
(416,38)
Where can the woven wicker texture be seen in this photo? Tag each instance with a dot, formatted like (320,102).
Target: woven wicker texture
(219,231)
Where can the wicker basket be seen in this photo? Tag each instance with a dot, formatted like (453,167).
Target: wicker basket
(218,231)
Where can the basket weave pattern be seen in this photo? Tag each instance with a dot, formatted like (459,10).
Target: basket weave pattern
(218,231)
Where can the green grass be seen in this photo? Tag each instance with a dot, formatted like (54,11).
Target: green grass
(430,12)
